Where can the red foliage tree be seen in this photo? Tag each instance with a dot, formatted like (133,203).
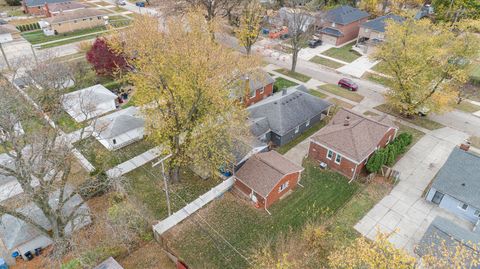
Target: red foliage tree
(104,60)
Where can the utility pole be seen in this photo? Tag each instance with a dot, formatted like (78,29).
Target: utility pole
(34,54)
(165,180)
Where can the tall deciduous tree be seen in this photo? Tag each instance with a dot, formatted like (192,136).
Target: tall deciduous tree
(426,64)
(456,10)
(182,81)
(250,25)
(104,60)
(300,28)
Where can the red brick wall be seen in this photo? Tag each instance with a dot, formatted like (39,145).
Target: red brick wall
(40,10)
(268,90)
(242,187)
(350,31)
(275,195)
(319,153)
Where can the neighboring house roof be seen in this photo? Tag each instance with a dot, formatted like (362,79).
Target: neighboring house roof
(444,233)
(264,170)
(284,111)
(459,177)
(8,29)
(65,6)
(75,15)
(87,100)
(244,148)
(345,15)
(120,122)
(424,11)
(109,263)
(331,31)
(378,24)
(34,3)
(257,80)
(358,139)
(15,232)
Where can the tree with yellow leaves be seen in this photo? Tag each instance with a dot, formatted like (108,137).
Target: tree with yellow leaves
(250,24)
(371,6)
(426,64)
(182,82)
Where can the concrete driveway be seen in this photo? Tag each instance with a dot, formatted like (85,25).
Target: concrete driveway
(404,211)
(358,67)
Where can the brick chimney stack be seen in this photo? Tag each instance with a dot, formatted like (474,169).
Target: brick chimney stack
(465,146)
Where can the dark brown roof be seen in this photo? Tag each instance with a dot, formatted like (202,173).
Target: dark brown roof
(264,170)
(76,14)
(65,6)
(357,139)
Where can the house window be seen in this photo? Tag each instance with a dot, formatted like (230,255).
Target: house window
(297,129)
(114,141)
(477,213)
(307,123)
(329,154)
(463,206)
(338,159)
(84,19)
(437,198)
(388,140)
(283,187)
(99,17)
(262,90)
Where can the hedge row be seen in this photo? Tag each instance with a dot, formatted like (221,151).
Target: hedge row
(388,155)
(28,27)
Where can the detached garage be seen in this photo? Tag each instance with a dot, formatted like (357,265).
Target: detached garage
(266,177)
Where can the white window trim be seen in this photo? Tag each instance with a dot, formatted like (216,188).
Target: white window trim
(254,94)
(328,151)
(283,187)
(477,213)
(461,206)
(336,157)
(262,90)
(297,129)
(388,140)
(307,123)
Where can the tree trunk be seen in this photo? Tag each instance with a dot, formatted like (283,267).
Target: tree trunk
(248,49)
(294,60)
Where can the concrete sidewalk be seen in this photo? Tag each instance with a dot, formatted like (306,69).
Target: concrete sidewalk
(404,212)
(135,162)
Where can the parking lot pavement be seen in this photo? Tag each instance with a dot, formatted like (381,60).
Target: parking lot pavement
(404,212)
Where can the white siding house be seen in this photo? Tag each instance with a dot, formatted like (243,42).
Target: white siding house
(119,129)
(89,102)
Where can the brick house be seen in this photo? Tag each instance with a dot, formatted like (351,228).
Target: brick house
(254,87)
(37,7)
(372,32)
(348,140)
(53,9)
(341,24)
(266,177)
(75,20)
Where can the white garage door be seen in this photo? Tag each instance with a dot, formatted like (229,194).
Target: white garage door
(327,39)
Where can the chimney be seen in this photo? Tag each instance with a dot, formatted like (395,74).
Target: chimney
(347,121)
(284,91)
(465,146)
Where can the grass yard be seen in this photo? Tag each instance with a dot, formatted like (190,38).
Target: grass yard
(101,158)
(468,107)
(339,91)
(341,103)
(313,129)
(103,4)
(417,120)
(375,78)
(281,83)
(67,123)
(370,113)
(326,62)
(146,184)
(244,226)
(475,74)
(475,140)
(295,75)
(318,94)
(380,67)
(37,37)
(344,53)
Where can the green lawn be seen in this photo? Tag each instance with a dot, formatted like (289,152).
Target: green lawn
(244,226)
(37,37)
(318,94)
(295,75)
(339,91)
(475,74)
(344,53)
(380,67)
(67,123)
(146,184)
(417,120)
(102,158)
(468,107)
(313,129)
(281,83)
(341,103)
(370,113)
(326,62)
(375,78)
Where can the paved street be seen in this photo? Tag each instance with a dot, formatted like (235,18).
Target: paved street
(404,211)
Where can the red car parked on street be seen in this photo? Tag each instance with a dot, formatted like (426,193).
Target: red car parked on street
(348,84)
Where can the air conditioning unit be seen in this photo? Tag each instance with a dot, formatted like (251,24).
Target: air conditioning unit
(323,165)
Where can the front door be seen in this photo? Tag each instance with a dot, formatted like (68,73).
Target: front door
(437,198)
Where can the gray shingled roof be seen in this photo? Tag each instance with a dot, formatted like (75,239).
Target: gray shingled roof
(282,113)
(120,122)
(443,232)
(34,3)
(331,31)
(109,263)
(14,232)
(378,24)
(459,177)
(345,15)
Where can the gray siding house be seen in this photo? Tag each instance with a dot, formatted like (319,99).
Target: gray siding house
(286,115)
(456,187)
